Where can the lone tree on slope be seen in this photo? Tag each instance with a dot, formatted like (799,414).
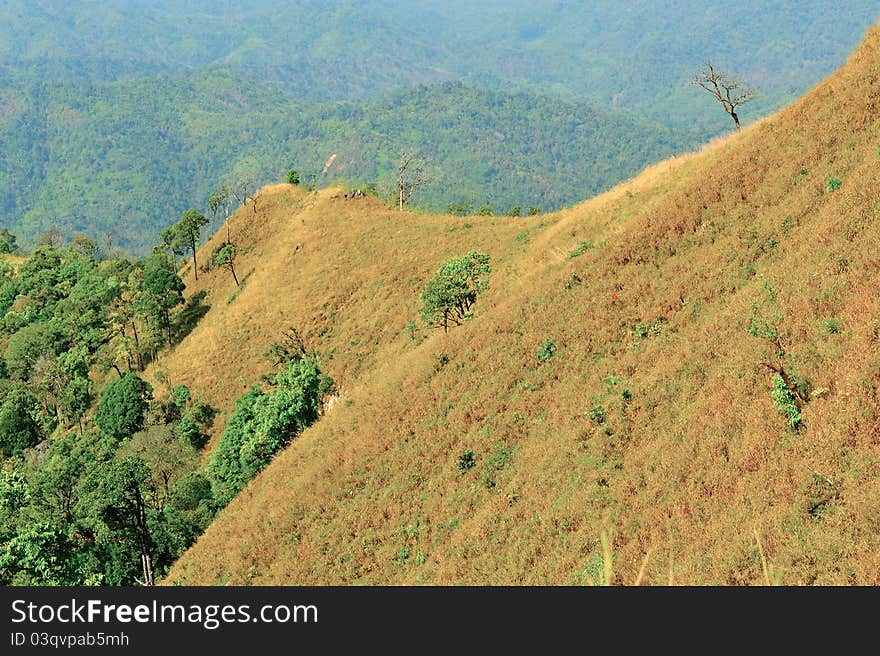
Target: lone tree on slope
(411,174)
(221,199)
(729,92)
(225,257)
(450,294)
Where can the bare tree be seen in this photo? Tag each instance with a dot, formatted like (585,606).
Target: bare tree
(411,174)
(729,92)
(220,199)
(245,189)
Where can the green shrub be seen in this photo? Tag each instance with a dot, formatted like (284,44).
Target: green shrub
(831,325)
(466,461)
(546,351)
(833,185)
(292,177)
(534,211)
(597,415)
(573,281)
(786,402)
(652,329)
(582,248)
(265,422)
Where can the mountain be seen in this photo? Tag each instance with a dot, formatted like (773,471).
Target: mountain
(674,382)
(128,157)
(640,56)
(117,116)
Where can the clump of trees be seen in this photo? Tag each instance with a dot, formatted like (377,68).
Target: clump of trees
(450,293)
(107,498)
(264,422)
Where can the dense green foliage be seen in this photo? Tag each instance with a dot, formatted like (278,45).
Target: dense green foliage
(640,56)
(100,475)
(450,293)
(265,422)
(92,497)
(122,407)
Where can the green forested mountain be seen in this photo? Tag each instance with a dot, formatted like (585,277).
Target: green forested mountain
(128,157)
(638,54)
(115,116)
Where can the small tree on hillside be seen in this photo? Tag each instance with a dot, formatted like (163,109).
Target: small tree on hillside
(225,257)
(452,291)
(411,175)
(187,233)
(221,200)
(729,92)
(245,190)
(8,241)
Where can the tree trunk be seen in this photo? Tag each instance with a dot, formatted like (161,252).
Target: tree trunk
(234,277)
(137,345)
(195,264)
(167,324)
(147,565)
(735,119)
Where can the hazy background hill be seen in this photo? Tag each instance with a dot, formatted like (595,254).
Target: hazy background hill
(116,116)
(125,157)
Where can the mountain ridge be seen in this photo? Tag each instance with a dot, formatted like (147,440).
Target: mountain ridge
(654,423)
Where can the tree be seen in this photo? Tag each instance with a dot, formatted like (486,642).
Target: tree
(85,246)
(225,257)
(729,92)
(221,199)
(8,242)
(411,175)
(19,427)
(51,238)
(187,232)
(293,177)
(159,291)
(452,291)
(117,500)
(244,190)
(121,410)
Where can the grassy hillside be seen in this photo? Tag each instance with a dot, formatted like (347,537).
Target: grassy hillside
(653,420)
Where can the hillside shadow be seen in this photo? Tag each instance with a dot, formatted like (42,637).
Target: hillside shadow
(187,319)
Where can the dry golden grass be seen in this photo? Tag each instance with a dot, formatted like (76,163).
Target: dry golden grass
(696,479)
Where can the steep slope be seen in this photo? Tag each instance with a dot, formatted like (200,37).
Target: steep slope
(654,421)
